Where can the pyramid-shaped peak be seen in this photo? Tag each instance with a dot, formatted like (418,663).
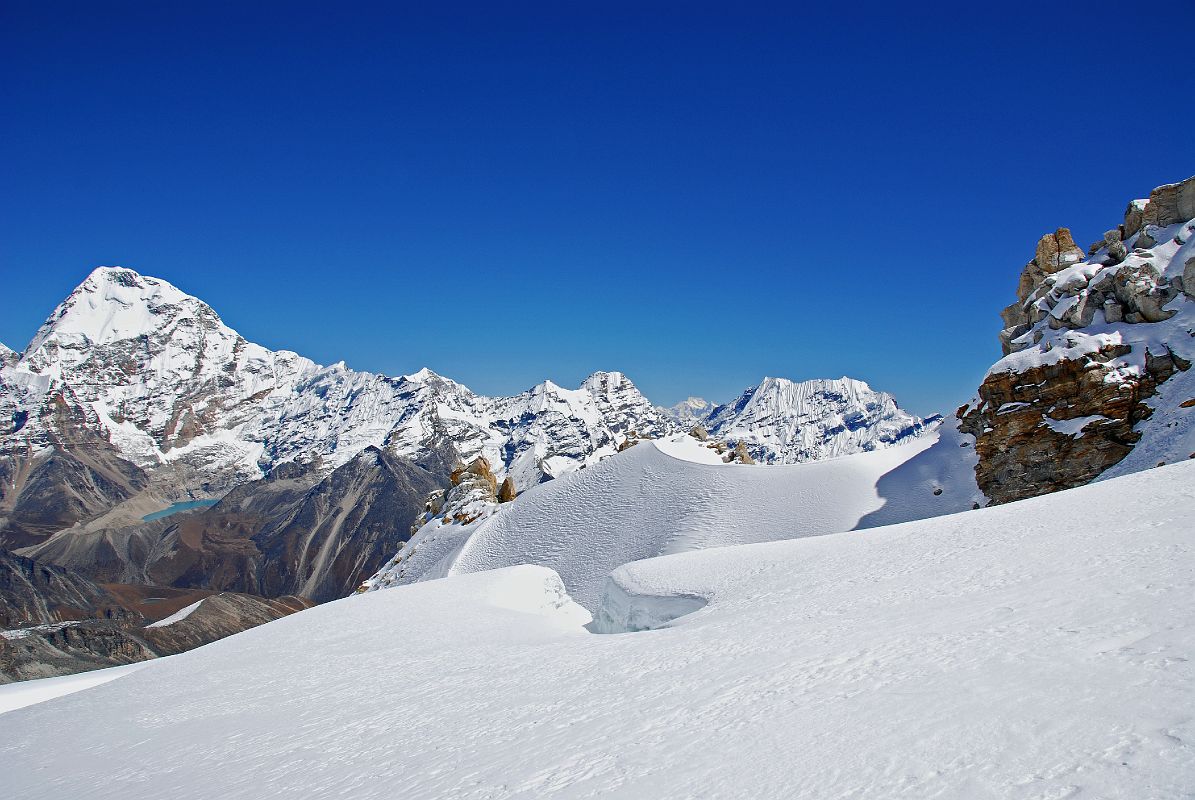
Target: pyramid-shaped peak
(117,303)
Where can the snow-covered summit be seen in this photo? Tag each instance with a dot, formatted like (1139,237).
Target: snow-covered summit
(786,422)
(691,411)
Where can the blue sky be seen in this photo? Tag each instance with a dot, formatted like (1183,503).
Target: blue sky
(695,194)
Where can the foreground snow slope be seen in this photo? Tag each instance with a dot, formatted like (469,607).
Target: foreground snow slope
(658,498)
(1041,649)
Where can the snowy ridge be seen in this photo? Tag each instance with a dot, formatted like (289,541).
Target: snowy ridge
(786,422)
(1039,649)
(655,499)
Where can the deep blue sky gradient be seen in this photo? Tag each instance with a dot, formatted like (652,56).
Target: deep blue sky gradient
(695,194)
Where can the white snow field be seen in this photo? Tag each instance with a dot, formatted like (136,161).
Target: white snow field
(676,495)
(26,693)
(1041,649)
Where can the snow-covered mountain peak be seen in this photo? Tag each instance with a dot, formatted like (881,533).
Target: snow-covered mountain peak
(607,382)
(156,372)
(785,421)
(690,411)
(114,303)
(426,376)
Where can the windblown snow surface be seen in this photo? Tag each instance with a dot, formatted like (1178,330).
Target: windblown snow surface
(676,495)
(1041,649)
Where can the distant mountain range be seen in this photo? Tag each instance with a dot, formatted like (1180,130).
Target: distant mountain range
(156,373)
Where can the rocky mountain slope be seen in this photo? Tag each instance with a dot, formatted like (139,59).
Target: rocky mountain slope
(292,532)
(54,621)
(1098,346)
(75,475)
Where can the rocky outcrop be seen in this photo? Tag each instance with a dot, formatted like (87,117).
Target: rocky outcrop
(1055,251)
(53,650)
(471,497)
(472,494)
(1170,204)
(1057,425)
(1088,345)
(739,454)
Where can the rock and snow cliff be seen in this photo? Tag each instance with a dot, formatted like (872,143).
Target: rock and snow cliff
(1096,375)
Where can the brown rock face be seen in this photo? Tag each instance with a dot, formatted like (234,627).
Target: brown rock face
(739,454)
(1174,202)
(506,492)
(1021,456)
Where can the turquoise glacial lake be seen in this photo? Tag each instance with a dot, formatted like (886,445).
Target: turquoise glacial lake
(186,505)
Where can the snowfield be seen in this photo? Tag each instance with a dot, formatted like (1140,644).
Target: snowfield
(1041,649)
